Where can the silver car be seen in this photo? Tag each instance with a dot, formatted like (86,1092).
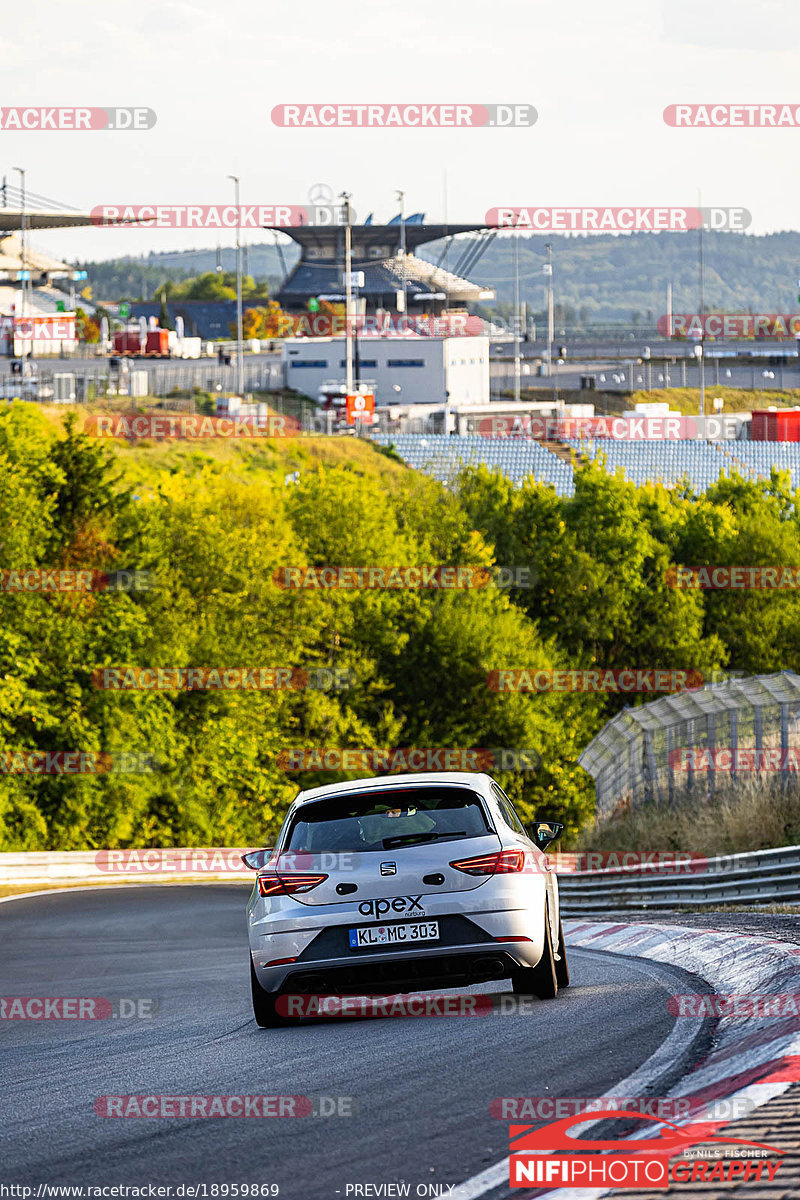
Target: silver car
(403,883)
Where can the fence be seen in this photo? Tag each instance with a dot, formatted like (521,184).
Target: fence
(643,754)
(625,377)
(90,383)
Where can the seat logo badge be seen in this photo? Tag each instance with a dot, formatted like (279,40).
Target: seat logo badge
(388,868)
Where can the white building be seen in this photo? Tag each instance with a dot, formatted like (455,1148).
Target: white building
(43,320)
(405,370)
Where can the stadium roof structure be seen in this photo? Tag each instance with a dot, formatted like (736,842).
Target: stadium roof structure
(377,251)
(31,210)
(12,219)
(35,260)
(632,751)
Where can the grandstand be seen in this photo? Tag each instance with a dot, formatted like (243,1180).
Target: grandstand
(669,462)
(701,463)
(384,255)
(443,457)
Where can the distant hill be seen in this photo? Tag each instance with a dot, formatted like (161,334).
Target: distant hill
(596,278)
(138,278)
(608,278)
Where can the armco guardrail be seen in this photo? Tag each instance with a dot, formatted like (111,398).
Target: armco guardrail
(125,866)
(758,879)
(765,877)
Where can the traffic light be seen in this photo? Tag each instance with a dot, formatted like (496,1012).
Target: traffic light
(313,304)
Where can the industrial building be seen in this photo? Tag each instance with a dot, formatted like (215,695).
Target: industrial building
(404,370)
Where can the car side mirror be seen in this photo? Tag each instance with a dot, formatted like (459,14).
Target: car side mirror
(256,859)
(545,832)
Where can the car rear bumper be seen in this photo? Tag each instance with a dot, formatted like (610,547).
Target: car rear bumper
(439,966)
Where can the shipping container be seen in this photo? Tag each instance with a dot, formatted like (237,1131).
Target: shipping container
(157,343)
(127,341)
(780,426)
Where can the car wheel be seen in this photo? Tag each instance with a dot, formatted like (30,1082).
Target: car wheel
(264,1004)
(540,980)
(562,967)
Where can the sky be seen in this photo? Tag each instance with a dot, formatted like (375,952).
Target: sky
(599,76)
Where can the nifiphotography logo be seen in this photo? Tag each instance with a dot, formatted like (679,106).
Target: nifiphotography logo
(632,1162)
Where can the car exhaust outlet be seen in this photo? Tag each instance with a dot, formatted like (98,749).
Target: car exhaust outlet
(487,968)
(309,983)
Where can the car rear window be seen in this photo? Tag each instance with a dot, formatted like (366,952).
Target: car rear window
(387,820)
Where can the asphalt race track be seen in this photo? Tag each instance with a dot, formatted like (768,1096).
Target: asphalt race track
(421,1087)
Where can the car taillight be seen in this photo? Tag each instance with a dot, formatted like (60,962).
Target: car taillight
(504,862)
(272,884)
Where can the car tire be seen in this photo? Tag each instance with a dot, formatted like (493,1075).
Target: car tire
(562,966)
(540,980)
(264,1004)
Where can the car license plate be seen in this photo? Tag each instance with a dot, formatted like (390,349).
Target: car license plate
(389,935)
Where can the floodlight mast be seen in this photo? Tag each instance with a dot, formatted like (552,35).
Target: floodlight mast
(348,294)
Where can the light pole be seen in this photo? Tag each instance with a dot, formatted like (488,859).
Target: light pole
(516,319)
(401,197)
(239,347)
(701,347)
(348,295)
(24,282)
(548,270)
